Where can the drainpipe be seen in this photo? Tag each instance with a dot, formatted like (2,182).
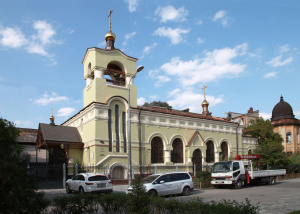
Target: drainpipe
(237,139)
(140,142)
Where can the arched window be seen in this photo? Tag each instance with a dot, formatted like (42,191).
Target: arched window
(288,137)
(157,150)
(224,153)
(117,128)
(210,155)
(109,132)
(124,130)
(177,153)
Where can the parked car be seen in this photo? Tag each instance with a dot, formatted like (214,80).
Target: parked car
(167,184)
(89,182)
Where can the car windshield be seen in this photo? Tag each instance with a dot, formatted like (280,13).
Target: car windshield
(149,179)
(222,167)
(98,178)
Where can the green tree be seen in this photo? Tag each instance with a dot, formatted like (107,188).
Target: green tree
(295,163)
(158,104)
(269,146)
(17,187)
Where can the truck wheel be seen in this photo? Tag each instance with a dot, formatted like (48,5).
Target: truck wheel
(272,181)
(238,184)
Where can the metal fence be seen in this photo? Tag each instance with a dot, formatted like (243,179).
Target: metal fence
(47,175)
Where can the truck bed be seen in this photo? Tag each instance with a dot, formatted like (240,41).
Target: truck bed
(266,173)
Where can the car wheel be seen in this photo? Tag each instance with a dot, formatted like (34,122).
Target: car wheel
(68,189)
(238,184)
(81,190)
(186,191)
(152,192)
(272,181)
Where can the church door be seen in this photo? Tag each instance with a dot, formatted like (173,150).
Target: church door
(197,160)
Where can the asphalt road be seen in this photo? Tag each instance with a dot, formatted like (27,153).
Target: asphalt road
(281,198)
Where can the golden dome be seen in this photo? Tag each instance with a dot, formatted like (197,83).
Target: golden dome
(205,102)
(110,34)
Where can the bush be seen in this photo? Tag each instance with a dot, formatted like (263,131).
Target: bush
(78,203)
(204,176)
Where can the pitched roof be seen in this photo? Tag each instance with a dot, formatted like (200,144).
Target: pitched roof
(180,113)
(60,133)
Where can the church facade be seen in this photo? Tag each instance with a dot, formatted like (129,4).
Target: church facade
(116,132)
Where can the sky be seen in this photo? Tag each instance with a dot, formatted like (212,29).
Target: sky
(245,52)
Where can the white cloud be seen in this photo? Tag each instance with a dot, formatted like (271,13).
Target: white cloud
(128,36)
(200,40)
(277,61)
(46,99)
(214,66)
(45,32)
(37,43)
(65,112)
(141,101)
(265,116)
(199,22)
(132,5)
(22,123)
(297,113)
(12,38)
(284,48)
(182,99)
(147,49)
(169,13)
(221,16)
(174,34)
(270,74)
(154,97)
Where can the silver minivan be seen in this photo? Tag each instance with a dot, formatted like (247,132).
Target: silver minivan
(167,184)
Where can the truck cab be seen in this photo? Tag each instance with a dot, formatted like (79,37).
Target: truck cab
(229,173)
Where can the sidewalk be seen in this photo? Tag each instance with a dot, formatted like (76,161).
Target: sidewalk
(50,193)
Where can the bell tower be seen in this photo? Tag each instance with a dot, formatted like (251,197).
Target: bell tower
(108,72)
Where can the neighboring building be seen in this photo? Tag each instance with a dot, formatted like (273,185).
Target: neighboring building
(243,119)
(285,123)
(160,138)
(27,139)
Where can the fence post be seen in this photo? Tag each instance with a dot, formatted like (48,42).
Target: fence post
(132,172)
(106,169)
(64,175)
(155,169)
(76,169)
(195,170)
(176,168)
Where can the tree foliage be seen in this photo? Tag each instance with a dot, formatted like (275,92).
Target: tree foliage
(269,146)
(17,187)
(158,104)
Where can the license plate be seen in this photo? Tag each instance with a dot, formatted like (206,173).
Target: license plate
(101,185)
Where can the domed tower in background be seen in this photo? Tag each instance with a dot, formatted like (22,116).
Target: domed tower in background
(285,123)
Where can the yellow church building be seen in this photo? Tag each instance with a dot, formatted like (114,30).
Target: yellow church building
(112,132)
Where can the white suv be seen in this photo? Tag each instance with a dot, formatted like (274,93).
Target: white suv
(89,182)
(167,184)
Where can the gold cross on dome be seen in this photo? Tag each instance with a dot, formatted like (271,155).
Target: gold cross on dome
(109,16)
(204,87)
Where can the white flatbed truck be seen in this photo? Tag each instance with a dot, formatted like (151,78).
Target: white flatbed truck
(237,173)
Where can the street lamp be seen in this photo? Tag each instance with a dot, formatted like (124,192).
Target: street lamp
(140,68)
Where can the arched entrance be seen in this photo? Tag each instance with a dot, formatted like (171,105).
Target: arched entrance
(197,160)
(224,152)
(210,155)
(157,150)
(118,172)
